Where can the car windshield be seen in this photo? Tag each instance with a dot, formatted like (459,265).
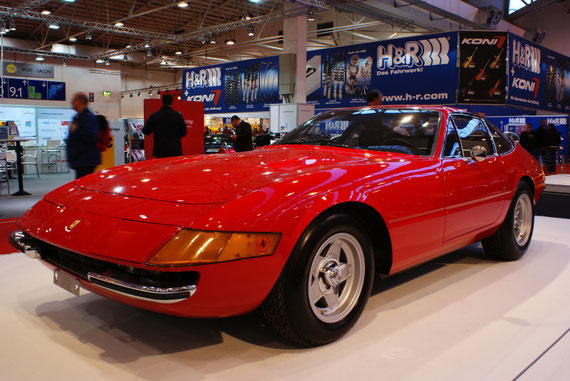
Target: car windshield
(408,131)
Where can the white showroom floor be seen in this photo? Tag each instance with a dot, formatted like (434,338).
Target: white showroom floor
(462,317)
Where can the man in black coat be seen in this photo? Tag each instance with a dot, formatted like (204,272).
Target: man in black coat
(82,152)
(243,135)
(552,142)
(167,127)
(527,139)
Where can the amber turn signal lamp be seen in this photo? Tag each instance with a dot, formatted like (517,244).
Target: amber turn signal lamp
(193,247)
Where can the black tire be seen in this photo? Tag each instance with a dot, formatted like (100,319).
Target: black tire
(511,241)
(288,309)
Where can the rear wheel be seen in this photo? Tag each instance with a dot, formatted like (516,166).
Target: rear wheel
(324,285)
(511,241)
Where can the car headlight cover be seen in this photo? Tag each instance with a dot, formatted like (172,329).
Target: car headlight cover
(194,247)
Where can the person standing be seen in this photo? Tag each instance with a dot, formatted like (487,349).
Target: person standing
(243,135)
(540,141)
(168,127)
(82,152)
(527,139)
(374,98)
(552,142)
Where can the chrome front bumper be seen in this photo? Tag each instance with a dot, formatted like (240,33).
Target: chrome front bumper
(29,246)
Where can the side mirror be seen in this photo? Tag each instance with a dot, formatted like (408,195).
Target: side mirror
(478,153)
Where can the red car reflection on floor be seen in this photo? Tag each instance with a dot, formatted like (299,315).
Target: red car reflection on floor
(297,229)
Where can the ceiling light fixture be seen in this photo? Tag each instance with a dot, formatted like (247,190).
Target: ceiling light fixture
(178,52)
(40,58)
(107,62)
(12,24)
(53,25)
(230,41)
(311,16)
(119,24)
(250,31)
(88,35)
(147,44)
(148,53)
(163,62)
(99,60)
(69,1)
(182,4)
(72,39)
(125,58)
(46,11)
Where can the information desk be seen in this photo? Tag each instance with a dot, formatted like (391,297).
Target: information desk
(20,167)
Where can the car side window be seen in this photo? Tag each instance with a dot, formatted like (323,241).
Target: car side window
(472,132)
(502,143)
(452,147)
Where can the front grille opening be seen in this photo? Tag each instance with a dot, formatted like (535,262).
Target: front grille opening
(80,265)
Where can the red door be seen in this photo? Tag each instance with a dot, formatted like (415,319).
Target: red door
(474,190)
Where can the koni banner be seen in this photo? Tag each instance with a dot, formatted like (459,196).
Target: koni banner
(538,77)
(250,85)
(482,67)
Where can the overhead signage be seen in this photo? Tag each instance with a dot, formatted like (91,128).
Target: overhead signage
(342,77)
(16,88)
(482,67)
(16,69)
(250,85)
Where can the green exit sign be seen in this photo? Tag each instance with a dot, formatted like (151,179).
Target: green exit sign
(106,93)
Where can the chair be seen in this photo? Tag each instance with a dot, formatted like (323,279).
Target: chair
(4,173)
(31,158)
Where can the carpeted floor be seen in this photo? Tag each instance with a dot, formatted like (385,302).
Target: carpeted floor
(6,227)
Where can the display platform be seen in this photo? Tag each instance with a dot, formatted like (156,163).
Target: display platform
(558,184)
(461,317)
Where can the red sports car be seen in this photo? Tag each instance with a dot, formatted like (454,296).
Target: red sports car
(297,229)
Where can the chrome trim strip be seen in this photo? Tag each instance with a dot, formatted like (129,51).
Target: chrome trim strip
(146,293)
(18,239)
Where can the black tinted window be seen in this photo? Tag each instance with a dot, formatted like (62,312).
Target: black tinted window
(502,143)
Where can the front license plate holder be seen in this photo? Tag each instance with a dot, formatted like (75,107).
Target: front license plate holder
(67,282)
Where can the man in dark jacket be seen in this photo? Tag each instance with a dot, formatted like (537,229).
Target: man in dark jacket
(552,142)
(527,139)
(243,135)
(82,152)
(167,127)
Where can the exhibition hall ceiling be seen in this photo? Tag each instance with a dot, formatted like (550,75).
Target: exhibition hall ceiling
(173,34)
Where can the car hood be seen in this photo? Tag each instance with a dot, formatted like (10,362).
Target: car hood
(206,179)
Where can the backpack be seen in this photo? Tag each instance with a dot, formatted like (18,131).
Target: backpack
(104,138)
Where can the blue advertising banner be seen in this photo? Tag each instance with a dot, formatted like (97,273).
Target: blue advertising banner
(526,73)
(538,77)
(250,85)
(416,70)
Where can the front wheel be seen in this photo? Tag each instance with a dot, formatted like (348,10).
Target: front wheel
(325,284)
(511,241)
